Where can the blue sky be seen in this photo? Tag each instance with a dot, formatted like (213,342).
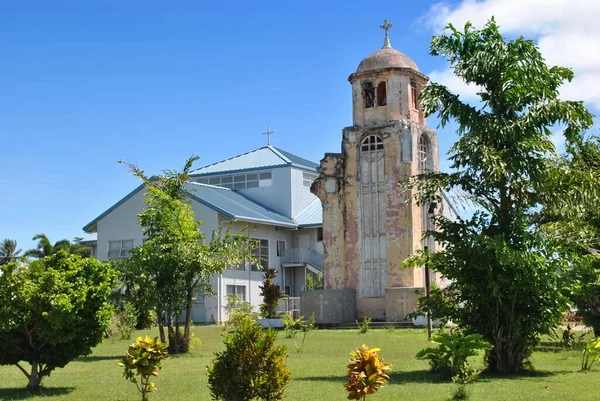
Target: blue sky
(85,84)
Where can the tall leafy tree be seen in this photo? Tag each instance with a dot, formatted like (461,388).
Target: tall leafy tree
(505,280)
(52,311)
(8,251)
(572,214)
(177,261)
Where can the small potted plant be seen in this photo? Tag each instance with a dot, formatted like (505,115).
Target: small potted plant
(271,296)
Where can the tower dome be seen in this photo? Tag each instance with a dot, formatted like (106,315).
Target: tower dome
(386,86)
(386,58)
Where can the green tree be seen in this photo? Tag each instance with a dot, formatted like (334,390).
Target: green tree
(177,261)
(52,311)
(45,248)
(578,226)
(505,280)
(8,251)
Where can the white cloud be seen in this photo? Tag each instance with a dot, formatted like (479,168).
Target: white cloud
(467,92)
(568,34)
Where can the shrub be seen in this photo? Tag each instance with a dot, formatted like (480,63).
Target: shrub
(144,358)
(366,373)
(271,295)
(53,311)
(293,326)
(591,354)
(450,358)
(237,311)
(250,366)
(123,323)
(363,328)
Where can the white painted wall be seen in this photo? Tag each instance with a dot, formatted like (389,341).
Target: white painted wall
(277,197)
(121,224)
(300,196)
(250,279)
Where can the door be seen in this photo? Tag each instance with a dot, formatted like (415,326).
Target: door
(304,241)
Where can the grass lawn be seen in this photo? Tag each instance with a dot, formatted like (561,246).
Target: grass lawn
(317,374)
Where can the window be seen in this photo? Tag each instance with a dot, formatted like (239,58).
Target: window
(373,213)
(369,94)
(120,249)
(371,143)
(425,156)
(261,253)
(280,248)
(320,234)
(237,290)
(307,179)
(414,95)
(381,94)
(240,181)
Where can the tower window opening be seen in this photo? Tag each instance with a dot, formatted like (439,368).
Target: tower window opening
(371,143)
(369,94)
(414,95)
(425,155)
(381,94)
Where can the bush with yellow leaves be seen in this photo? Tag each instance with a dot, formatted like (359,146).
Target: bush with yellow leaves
(143,358)
(366,373)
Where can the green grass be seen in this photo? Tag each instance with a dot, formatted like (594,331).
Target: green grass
(317,374)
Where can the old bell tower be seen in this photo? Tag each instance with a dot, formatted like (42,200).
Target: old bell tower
(369,225)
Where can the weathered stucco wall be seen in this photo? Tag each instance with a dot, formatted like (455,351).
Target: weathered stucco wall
(338,188)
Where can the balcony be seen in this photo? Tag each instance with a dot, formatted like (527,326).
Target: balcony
(302,257)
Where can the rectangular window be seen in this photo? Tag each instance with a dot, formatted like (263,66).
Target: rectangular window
(120,249)
(414,95)
(307,179)
(320,234)
(369,94)
(265,179)
(237,290)
(240,181)
(280,248)
(261,253)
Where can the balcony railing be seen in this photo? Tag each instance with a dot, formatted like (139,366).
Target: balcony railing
(301,256)
(289,305)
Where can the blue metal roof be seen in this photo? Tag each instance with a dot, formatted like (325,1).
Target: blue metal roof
(236,206)
(297,160)
(262,158)
(311,215)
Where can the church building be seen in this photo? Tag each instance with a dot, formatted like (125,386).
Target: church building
(344,220)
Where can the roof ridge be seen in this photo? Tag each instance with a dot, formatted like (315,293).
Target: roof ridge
(278,153)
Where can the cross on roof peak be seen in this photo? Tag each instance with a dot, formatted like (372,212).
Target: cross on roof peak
(386,42)
(268,134)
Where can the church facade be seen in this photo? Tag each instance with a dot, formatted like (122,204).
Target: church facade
(370,226)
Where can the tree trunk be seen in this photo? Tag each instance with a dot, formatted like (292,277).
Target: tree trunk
(188,319)
(34,378)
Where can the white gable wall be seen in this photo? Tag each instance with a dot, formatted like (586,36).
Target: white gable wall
(300,195)
(276,197)
(121,224)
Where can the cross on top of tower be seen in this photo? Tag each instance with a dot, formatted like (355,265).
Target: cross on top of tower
(386,42)
(268,134)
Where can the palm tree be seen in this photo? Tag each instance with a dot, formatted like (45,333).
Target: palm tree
(45,248)
(8,251)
